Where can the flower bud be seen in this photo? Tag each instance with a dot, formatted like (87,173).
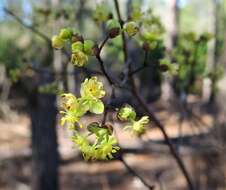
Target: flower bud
(76,37)
(77,46)
(126,113)
(131,28)
(113,28)
(57,42)
(88,47)
(66,33)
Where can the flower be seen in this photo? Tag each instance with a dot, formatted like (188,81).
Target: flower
(73,110)
(57,42)
(102,149)
(126,113)
(139,126)
(92,88)
(106,148)
(83,143)
(78,58)
(68,101)
(131,28)
(66,33)
(77,46)
(88,47)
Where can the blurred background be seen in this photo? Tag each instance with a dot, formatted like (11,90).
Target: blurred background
(36,153)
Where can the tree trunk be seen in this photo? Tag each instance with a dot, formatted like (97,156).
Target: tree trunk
(174,16)
(44,141)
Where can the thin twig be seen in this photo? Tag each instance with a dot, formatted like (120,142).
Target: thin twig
(155,120)
(141,67)
(134,173)
(103,43)
(30,27)
(104,70)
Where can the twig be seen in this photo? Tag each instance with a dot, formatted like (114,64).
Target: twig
(134,173)
(30,27)
(104,70)
(156,121)
(141,67)
(149,112)
(103,43)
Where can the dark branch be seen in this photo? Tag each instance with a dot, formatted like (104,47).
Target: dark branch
(30,27)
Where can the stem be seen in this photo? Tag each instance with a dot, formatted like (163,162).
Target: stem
(166,137)
(104,70)
(30,27)
(103,43)
(141,67)
(123,34)
(149,112)
(134,173)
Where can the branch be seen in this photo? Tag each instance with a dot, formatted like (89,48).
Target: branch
(135,93)
(141,67)
(104,70)
(30,27)
(102,44)
(156,121)
(122,34)
(134,173)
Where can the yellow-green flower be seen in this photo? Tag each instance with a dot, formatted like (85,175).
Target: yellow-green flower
(139,126)
(68,101)
(106,148)
(82,142)
(72,110)
(131,28)
(79,58)
(126,113)
(57,42)
(66,33)
(69,117)
(92,88)
(77,46)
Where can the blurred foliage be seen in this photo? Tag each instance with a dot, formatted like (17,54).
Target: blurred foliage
(191,56)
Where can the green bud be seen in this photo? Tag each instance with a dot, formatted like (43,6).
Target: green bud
(126,113)
(57,42)
(77,46)
(113,27)
(131,28)
(88,47)
(66,33)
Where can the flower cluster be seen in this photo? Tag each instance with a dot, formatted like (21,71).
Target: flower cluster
(74,108)
(80,48)
(127,113)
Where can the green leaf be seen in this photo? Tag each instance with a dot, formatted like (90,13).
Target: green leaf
(96,106)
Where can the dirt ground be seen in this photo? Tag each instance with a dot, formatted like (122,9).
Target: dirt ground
(156,165)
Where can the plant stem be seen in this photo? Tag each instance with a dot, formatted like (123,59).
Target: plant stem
(149,112)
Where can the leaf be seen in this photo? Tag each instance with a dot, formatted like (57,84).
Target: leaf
(96,106)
